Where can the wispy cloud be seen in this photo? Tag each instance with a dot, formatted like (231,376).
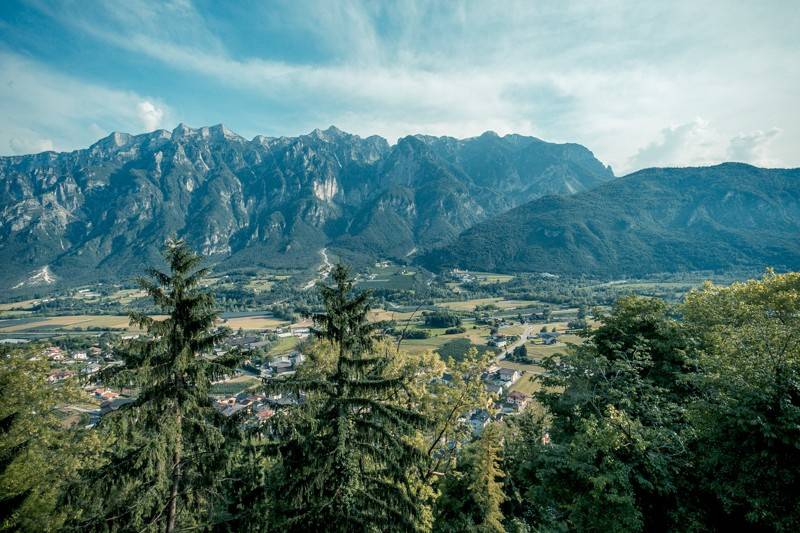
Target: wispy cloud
(627,79)
(47,110)
(692,143)
(753,147)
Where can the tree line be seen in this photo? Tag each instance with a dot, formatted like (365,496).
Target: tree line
(667,418)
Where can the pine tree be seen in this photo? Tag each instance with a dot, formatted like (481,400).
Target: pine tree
(347,460)
(473,494)
(165,450)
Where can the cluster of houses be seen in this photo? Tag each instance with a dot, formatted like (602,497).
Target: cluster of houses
(299,332)
(546,337)
(282,366)
(258,407)
(498,341)
(499,380)
(255,407)
(462,275)
(514,402)
(80,362)
(253,342)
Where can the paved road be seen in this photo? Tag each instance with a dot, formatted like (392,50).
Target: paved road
(324,269)
(523,338)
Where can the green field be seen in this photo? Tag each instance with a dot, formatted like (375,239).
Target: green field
(477,336)
(235,385)
(283,345)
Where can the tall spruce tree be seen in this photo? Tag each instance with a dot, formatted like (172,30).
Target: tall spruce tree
(347,459)
(165,450)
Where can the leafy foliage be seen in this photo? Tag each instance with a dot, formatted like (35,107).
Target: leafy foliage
(441,319)
(37,453)
(748,415)
(616,438)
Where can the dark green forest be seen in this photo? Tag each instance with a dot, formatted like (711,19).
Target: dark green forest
(669,417)
(718,218)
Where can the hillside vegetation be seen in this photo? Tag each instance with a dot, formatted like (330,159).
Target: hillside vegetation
(656,220)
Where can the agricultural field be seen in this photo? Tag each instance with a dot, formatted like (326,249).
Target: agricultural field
(23,305)
(527,384)
(387,275)
(255,322)
(126,296)
(484,278)
(67,323)
(537,350)
(259,285)
(378,315)
(470,305)
(477,336)
(34,324)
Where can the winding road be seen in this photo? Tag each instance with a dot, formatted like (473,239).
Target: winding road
(324,270)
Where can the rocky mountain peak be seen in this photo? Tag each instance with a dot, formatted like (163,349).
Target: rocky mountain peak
(105,212)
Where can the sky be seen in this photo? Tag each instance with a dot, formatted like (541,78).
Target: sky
(640,84)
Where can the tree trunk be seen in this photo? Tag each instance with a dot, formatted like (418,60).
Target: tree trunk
(172,509)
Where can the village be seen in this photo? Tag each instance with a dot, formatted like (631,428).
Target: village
(277,353)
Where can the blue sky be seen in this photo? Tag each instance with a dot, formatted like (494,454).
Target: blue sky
(639,83)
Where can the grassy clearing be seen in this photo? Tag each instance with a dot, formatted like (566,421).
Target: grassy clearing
(285,344)
(522,367)
(527,384)
(126,296)
(539,351)
(476,336)
(470,305)
(484,278)
(259,285)
(71,322)
(397,281)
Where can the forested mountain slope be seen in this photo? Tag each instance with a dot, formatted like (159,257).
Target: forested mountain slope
(655,220)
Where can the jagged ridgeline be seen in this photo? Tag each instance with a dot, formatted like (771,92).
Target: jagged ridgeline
(105,212)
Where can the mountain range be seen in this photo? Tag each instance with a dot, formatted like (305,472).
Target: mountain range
(656,220)
(103,213)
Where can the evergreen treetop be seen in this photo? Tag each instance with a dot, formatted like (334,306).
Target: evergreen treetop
(165,448)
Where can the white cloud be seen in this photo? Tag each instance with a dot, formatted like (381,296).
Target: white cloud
(692,143)
(610,75)
(29,145)
(150,115)
(46,110)
(753,147)
(700,143)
